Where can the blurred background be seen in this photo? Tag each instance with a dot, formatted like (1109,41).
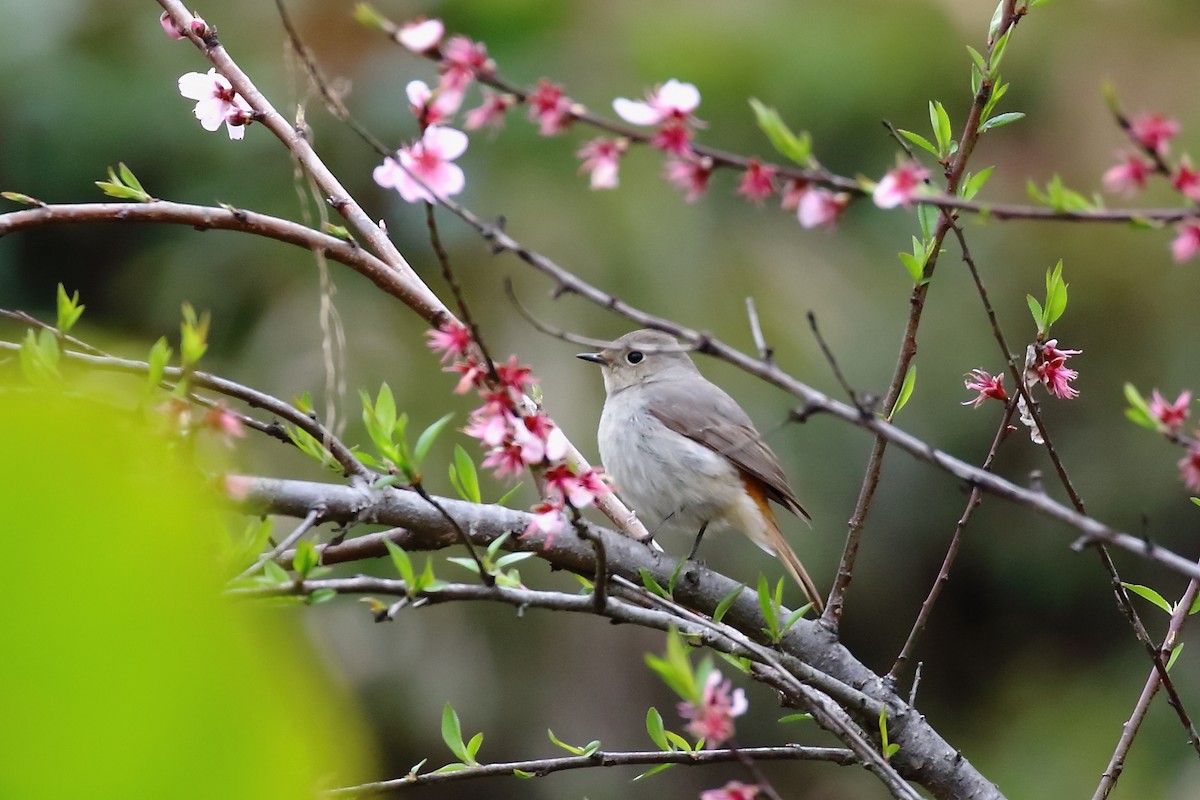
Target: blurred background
(1028,666)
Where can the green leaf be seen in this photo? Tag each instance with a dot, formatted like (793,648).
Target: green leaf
(427,438)
(275,573)
(998,50)
(402,561)
(193,335)
(473,747)
(463,476)
(726,602)
(915,267)
(977,58)
(797,148)
(654,771)
(69,309)
(321,596)
(520,773)
(793,617)
(1035,308)
(1139,411)
(452,734)
(675,668)
(568,747)
(974,183)
(650,583)
(1195,603)
(128,178)
(765,604)
(591,748)
(1149,594)
(160,355)
(940,121)
(1174,655)
(920,141)
(796,718)
(1056,295)
(1000,120)
(24,199)
(365,14)
(677,742)
(504,498)
(305,558)
(906,390)
(654,727)
(927,217)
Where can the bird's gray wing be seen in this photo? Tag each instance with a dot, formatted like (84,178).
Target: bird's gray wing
(714,419)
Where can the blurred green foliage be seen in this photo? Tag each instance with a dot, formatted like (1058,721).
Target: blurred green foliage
(127,673)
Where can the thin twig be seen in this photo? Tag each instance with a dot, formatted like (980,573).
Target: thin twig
(541,767)
(460,298)
(765,352)
(484,574)
(833,365)
(943,576)
(1116,764)
(311,519)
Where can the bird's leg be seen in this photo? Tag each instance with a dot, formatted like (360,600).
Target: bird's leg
(696,545)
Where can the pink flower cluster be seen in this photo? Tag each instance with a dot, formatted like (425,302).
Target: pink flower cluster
(669,109)
(1050,368)
(988,386)
(712,719)
(516,440)
(1171,416)
(814,206)
(734,790)
(1152,133)
(900,186)
(216,102)
(424,170)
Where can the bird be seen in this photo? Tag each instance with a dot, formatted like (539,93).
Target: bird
(685,455)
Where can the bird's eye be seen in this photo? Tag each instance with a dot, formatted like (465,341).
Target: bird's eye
(634,356)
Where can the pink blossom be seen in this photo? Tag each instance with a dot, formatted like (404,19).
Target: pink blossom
(578,490)
(548,519)
(674,137)
(691,175)
(712,720)
(819,206)
(197,25)
(1129,176)
(900,185)
(530,446)
(168,26)
(462,60)
(601,158)
(216,102)
(758,181)
(489,114)
(1154,132)
(427,160)
(451,340)
(421,35)
(670,100)
(225,422)
(1187,180)
(1051,370)
(1171,415)
(1187,243)
(514,376)
(986,384)
(490,423)
(432,107)
(472,374)
(505,460)
(556,444)
(549,108)
(1189,466)
(793,193)
(734,790)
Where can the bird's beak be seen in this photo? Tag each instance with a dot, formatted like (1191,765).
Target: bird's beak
(597,358)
